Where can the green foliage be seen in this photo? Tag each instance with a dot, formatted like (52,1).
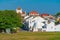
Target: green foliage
(10,19)
(58,14)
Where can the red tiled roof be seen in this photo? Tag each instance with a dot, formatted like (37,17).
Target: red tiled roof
(44,14)
(51,17)
(33,13)
(23,14)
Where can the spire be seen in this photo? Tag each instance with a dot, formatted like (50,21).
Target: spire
(19,10)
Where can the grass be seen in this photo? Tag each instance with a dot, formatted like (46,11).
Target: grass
(31,36)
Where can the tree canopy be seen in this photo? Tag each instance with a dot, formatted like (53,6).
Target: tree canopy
(10,19)
(58,14)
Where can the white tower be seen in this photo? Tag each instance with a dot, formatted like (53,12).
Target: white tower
(19,10)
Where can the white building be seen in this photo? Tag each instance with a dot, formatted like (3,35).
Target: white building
(20,12)
(36,23)
(57,28)
(50,26)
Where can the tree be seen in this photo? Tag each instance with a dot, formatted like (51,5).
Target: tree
(58,14)
(57,19)
(10,19)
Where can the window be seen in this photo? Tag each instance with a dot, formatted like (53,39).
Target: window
(44,26)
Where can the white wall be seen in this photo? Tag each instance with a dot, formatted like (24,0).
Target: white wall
(19,11)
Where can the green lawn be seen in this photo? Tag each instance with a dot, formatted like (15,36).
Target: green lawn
(31,36)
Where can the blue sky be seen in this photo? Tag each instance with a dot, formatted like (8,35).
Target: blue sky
(41,6)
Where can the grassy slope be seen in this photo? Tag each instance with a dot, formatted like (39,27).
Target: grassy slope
(31,36)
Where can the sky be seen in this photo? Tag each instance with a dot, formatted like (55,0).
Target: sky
(41,6)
